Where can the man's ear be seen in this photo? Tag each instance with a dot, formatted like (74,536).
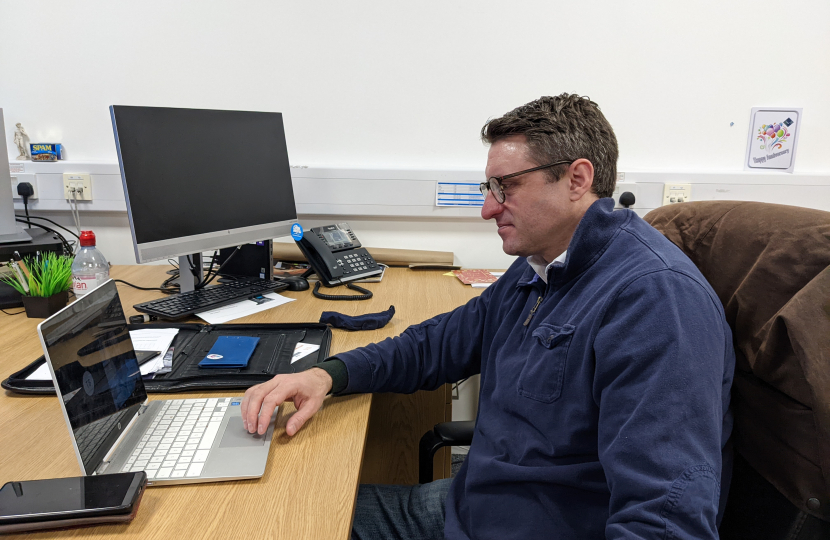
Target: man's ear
(581,178)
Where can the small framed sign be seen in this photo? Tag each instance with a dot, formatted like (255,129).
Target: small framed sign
(773,138)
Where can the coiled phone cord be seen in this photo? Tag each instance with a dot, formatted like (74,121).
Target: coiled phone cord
(365,296)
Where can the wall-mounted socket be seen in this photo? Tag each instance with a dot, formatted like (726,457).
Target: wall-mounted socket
(82,184)
(21,177)
(676,193)
(622,187)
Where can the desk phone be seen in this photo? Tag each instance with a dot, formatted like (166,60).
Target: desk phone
(336,255)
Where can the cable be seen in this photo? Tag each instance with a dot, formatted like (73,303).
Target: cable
(193,272)
(7,313)
(50,221)
(206,278)
(221,266)
(75,214)
(25,190)
(456,387)
(66,246)
(365,296)
(162,288)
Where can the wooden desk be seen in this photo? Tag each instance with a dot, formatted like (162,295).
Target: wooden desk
(310,483)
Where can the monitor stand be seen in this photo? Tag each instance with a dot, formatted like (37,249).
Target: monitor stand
(187,281)
(10,231)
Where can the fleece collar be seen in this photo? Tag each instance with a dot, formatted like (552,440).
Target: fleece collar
(597,228)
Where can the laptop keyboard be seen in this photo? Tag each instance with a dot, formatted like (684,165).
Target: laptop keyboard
(91,436)
(179,439)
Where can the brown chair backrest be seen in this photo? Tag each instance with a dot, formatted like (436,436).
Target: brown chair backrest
(770,266)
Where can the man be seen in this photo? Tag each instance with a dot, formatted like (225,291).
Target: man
(604,355)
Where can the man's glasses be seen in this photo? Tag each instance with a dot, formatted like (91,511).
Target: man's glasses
(493,184)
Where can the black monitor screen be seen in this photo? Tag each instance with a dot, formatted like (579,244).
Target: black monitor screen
(190,172)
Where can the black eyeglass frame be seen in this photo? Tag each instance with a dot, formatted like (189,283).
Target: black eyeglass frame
(493,184)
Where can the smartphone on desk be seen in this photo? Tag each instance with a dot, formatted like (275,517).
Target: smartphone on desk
(70,502)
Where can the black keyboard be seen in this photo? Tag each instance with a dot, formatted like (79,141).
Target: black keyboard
(177,306)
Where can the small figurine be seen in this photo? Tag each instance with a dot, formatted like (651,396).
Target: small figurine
(21,139)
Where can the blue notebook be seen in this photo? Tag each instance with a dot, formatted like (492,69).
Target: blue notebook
(230,352)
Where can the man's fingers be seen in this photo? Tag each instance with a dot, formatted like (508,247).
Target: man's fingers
(272,400)
(305,410)
(306,389)
(252,403)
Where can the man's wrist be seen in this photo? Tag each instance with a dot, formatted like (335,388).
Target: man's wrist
(336,370)
(325,378)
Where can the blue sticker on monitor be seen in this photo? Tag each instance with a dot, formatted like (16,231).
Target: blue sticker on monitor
(297,232)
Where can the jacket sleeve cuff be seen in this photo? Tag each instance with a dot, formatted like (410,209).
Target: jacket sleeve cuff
(360,376)
(338,373)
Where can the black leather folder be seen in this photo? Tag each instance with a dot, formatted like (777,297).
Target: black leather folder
(272,356)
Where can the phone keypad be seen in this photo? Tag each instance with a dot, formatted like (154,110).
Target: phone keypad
(357,262)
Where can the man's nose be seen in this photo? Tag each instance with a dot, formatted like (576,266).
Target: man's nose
(491,207)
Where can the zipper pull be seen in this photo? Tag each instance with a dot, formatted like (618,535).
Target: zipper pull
(532,311)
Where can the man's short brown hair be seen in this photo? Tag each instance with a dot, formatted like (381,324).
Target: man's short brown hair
(567,126)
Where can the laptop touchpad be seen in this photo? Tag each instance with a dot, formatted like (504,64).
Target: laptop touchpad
(235,435)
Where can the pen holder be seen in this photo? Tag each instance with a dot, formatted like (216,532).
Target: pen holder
(38,307)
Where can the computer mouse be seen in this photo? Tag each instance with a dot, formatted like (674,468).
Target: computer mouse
(295,283)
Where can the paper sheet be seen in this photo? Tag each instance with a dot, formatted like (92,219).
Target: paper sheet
(302,350)
(242,309)
(153,339)
(143,340)
(40,374)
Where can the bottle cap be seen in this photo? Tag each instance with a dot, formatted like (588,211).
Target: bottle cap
(87,238)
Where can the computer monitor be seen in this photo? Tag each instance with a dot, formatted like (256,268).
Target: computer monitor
(198,180)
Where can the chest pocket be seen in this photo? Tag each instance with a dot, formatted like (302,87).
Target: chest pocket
(542,377)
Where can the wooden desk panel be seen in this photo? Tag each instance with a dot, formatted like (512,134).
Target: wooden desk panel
(309,486)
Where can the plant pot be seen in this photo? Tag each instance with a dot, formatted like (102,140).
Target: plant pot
(38,307)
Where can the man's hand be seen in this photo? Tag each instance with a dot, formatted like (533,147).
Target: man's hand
(307,390)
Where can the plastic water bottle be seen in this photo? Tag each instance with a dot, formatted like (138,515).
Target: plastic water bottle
(90,268)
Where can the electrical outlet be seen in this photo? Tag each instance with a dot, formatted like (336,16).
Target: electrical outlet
(676,193)
(17,178)
(622,187)
(82,184)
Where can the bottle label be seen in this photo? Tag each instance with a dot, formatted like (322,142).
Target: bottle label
(83,284)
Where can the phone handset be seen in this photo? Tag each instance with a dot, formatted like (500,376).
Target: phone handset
(336,255)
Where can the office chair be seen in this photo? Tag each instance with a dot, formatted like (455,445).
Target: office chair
(770,266)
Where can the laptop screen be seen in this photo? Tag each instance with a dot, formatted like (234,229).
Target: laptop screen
(96,370)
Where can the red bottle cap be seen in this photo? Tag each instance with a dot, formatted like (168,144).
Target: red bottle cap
(87,238)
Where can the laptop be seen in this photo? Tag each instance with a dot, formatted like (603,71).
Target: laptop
(115,428)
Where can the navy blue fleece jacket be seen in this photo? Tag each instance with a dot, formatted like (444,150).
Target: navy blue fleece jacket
(604,414)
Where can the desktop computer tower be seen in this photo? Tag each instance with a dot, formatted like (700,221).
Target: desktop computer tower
(252,260)
(42,241)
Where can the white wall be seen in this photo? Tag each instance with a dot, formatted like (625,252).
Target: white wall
(368,84)
(386,84)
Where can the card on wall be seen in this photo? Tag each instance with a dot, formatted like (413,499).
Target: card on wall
(773,137)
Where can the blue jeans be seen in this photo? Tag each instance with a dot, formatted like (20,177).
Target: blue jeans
(385,512)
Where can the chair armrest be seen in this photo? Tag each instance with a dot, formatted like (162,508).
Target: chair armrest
(443,434)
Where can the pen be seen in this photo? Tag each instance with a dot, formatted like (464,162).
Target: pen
(20,277)
(22,264)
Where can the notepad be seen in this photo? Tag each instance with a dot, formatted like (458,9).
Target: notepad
(230,352)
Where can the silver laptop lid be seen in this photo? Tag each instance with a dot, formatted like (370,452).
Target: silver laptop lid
(96,374)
